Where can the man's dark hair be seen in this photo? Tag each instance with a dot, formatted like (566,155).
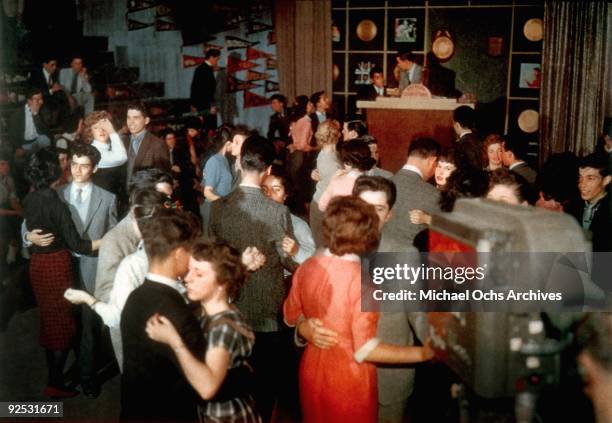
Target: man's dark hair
(357,154)
(32,92)
(212,52)
(144,202)
(557,179)
(517,147)
(378,71)
(279,97)
(167,230)
(464,182)
(76,56)
(43,168)
(406,55)
(316,97)
(148,179)
(465,116)
(595,161)
(48,57)
(85,150)
(376,184)
(217,141)
(140,107)
(594,336)
(300,107)
(256,154)
(424,148)
(358,126)
(193,123)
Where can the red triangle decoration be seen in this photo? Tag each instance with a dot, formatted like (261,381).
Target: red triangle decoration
(272,86)
(256,76)
(271,64)
(271,38)
(236,65)
(253,53)
(254,100)
(164,25)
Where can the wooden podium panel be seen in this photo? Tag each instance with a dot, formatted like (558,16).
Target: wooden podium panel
(396,122)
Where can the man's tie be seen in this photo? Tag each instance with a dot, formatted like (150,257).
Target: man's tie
(75,81)
(50,82)
(79,197)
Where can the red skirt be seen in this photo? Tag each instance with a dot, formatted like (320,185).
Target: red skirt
(51,275)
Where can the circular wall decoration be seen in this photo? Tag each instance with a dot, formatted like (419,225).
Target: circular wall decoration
(533,29)
(528,121)
(335,72)
(443,46)
(366,30)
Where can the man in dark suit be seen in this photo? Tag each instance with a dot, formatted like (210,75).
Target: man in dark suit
(468,143)
(513,156)
(247,218)
(375,89)
(153,387)
(28,130)
(203,87)
(45,79)
(413,193)
(144,149)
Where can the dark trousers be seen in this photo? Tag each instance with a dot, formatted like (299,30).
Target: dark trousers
(299,165)
(275,364)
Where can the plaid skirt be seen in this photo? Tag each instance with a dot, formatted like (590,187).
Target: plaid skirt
(51,275)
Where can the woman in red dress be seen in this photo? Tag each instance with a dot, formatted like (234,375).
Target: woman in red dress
(339,383)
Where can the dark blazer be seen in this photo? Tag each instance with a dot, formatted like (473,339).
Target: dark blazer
(470,146)
(37,80)
(526,172)
(247,218)
(368,92)
(601,225)
(153,387)
(278,129)
(153,152)
(16,128)
(203,87)
(412,193)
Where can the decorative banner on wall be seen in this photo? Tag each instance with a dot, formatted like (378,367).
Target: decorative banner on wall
(235,64)
(271,64)
(206,47)
(234,84)
(162,10)
(272,86)
(255,27)
(271,38)
(136,5)
(253,53)
(190,61)
(134,25)
(164,25)
(233,43)
(256,76)
(254,100)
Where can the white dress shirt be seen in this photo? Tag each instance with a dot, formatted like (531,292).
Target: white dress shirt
(30,132)
(414,169)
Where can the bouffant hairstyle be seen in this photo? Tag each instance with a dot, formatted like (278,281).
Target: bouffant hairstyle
(148,178)
(300,108)
(450,155)
(358,126)
(328,133)
(465,182)
(43,168)
(350,226)
(86,135)
(356,154)
(227,263)
(169,229)
(514,181)
(145,203)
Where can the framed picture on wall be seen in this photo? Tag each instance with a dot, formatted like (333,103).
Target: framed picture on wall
(360,69)
(526,75)
(406,29)
(530,76)
(528,31)
(338,30)
(366,30)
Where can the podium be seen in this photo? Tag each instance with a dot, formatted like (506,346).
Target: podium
(395,122)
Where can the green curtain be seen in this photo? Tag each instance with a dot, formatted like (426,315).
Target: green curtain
(573,76)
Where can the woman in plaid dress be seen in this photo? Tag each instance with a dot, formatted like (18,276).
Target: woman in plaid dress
(222,377)
(50,265)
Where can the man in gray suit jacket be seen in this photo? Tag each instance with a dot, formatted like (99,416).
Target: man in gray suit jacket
(410,72)
(245,218)
(413,193)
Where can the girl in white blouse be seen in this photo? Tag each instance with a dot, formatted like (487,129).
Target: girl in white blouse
(99,132)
